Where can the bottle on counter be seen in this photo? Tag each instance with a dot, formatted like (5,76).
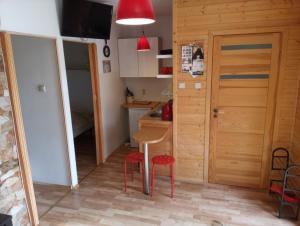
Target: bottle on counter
(129,96)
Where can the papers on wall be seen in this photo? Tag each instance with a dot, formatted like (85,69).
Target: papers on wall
(192,60)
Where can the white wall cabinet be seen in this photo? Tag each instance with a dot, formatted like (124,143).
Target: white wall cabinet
(137,64)
(128,58)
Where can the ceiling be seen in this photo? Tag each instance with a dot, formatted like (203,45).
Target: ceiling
(161,7)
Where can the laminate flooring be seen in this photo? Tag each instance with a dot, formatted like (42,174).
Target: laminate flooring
(100,200)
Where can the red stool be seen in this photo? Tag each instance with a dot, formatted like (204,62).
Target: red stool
(133,158)
(163,160)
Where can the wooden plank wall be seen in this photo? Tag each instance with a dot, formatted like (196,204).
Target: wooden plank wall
(195,21)
(296,135)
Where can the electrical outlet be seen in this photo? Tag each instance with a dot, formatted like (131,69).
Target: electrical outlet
(198,85)
(181,85)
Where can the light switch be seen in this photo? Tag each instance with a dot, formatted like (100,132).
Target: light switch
(181,85)
(198,85)
(42,88)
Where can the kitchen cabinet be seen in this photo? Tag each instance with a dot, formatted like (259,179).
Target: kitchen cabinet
(137,110)
(128,58)
(138,64)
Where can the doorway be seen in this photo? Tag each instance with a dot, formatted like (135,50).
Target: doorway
(83,80)
(37,77)
(245,70)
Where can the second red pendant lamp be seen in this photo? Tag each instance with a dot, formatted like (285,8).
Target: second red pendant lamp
(135,12)
(143,44)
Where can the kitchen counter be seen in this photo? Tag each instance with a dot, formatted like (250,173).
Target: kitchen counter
(154,120)
(154,138)
(150,135)
(141,104)
(154,128)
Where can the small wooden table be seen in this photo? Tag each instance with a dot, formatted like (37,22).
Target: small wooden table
(146,136)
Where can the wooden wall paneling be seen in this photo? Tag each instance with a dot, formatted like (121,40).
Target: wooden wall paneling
(286,96)
(296,132)
(189,115)
(202,19)
(273,81)
(296,136)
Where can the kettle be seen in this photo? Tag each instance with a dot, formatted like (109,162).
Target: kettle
(167,111)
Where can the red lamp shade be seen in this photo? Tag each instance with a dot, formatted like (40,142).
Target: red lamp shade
(135,12)
(143,44)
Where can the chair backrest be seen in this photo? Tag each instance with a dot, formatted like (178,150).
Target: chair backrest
(291,183)
(280,159)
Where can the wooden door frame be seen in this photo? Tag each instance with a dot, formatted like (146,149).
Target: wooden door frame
(95,81)
(25,171)
(275,128)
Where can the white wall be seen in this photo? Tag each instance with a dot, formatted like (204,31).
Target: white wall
(79,76)
(30,17)
(154,87)
(80,90)
(161,28)
(115,118)
(40,18)
(36,63)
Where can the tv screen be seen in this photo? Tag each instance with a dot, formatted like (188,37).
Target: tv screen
(82,18)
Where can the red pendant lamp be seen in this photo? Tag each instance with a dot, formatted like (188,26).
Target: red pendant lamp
(135,12)
(143,43)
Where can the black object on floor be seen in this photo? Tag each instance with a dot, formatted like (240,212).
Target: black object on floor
(5,220)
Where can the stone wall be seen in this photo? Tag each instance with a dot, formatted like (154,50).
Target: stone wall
(12,195)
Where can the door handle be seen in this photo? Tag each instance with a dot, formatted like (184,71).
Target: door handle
(215,112)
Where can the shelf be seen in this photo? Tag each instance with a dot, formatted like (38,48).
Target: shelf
(164,56)
(164,76)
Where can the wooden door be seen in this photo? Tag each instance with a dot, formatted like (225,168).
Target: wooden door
(245,69)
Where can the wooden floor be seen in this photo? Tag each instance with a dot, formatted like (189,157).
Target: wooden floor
(100,200)
(48,195)
(85,150)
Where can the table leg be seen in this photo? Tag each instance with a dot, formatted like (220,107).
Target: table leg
(146,171)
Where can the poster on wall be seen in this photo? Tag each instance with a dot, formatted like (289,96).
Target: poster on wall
(192,60)
(186,58)
(106,66)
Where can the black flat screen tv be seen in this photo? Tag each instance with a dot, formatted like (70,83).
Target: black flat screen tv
(86,19)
